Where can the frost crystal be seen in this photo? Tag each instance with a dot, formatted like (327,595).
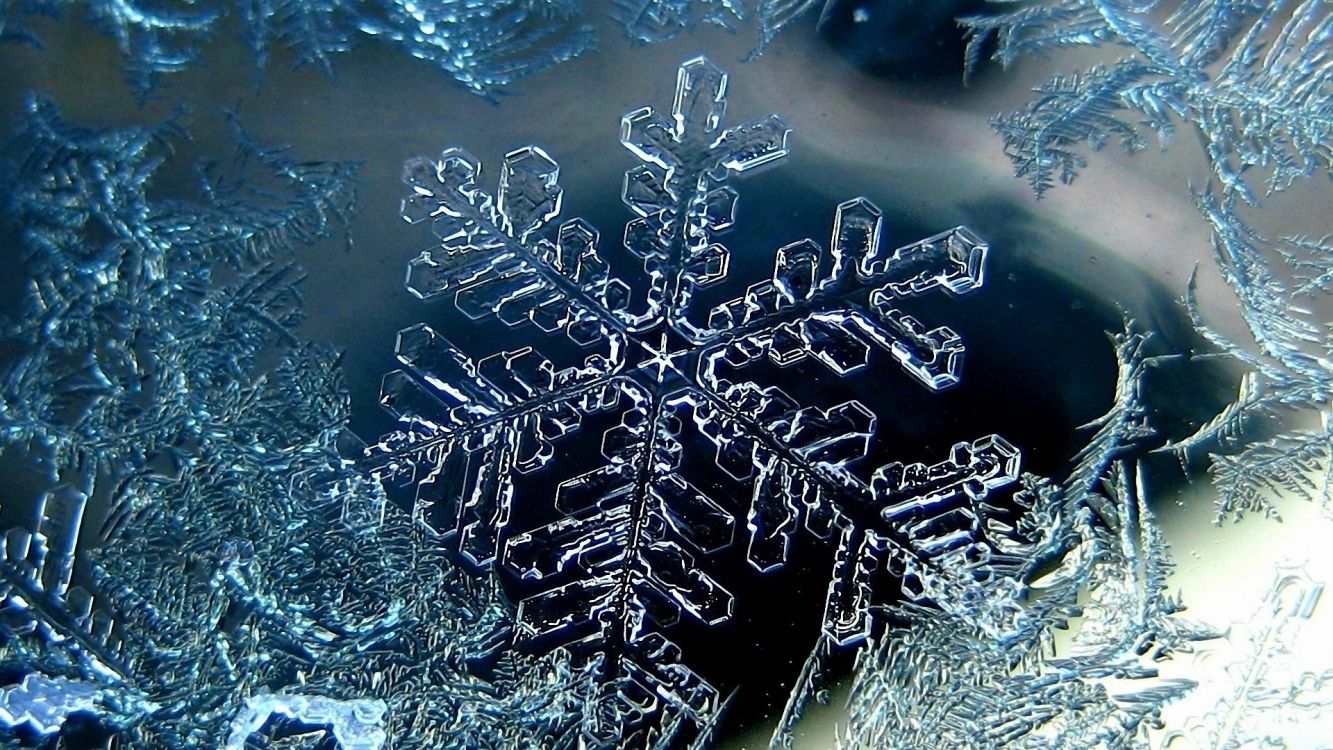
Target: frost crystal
(241,567)
(952,679)
(42,704)
(1290,374)
(129,345)
(685,425)
(776,15)
(1253,82)
(660,20)
(481,45)
(1250,78)
(1258,692)
(356,725)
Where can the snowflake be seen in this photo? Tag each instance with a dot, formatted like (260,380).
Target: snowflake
(625,549)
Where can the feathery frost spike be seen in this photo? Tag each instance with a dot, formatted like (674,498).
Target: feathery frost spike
(483,46)
(950,678)
(1260,693)
(1251,79)
(1291,376)
(660,20)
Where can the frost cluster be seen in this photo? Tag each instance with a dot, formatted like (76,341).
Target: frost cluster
(238,553)
(1253,83)
(576,499)
(482,45)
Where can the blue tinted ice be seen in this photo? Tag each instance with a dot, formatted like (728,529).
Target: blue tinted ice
(628,552)
(354,724)
(483,46)
(42,704)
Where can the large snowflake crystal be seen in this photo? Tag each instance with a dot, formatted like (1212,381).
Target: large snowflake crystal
(696,456)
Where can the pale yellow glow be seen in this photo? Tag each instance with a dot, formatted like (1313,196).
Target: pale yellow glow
(1223,574)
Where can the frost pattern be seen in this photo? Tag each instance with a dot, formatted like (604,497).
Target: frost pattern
(627,552)
(1291,375)
(990,675)
(987,676)
(356,725)
(1253,82)
(483,46)
(775,15)
(42,704)
(660,20)
(1266,693)
(159,377)
(1249,78)
(129,341)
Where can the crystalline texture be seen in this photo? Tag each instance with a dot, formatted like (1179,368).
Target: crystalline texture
(660,20)
(243,567)
(42,704)
(1263,694)
(978,669)
(483,46)
(355,724)
(629,552)
(1252,80)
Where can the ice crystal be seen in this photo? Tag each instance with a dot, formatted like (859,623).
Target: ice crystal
(42,704)
(129,345)
(356,725)
(627,551)
(659,20)
(1088,546)
(775,15)
(239,555)
(1252,81)
(481,45)
(1290,374)
(1259,693)
(1249,78)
